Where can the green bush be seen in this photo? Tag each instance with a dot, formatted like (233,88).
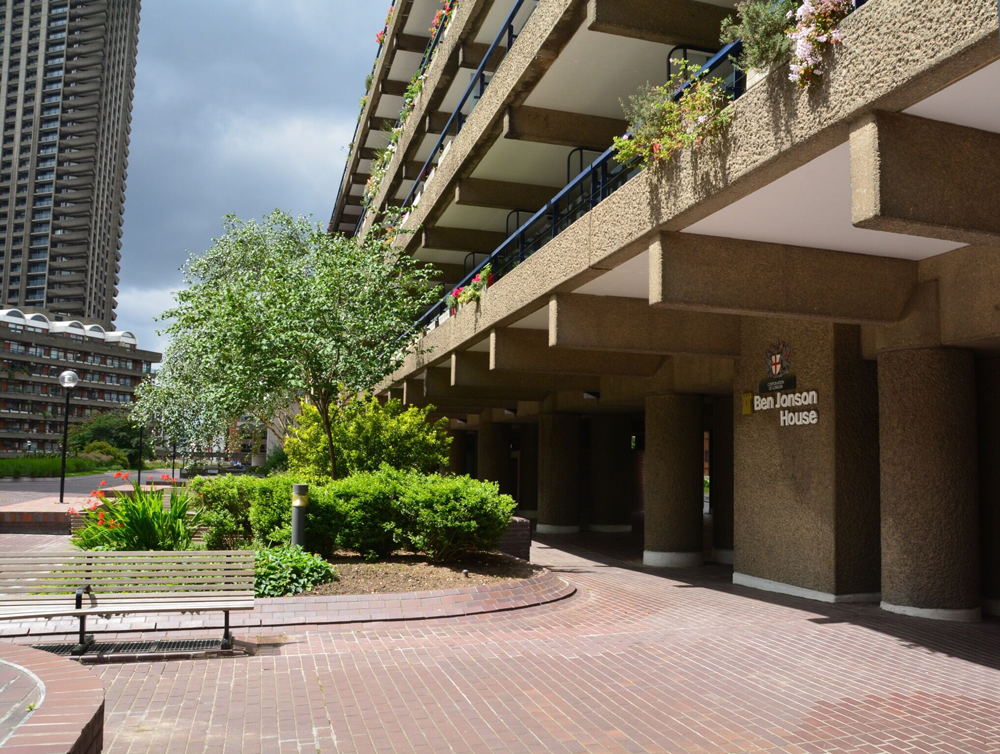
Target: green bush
(365,506)
(762,26)
(116,429)
(275,463)
(286,571)
(446,517)
(139,522)
(118,457)
(242,509)
(367,435)
(48,466)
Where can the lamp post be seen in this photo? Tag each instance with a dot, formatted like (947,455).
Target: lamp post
(138,472)
(69,380)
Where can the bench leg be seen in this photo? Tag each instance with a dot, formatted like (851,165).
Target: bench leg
(85,641)
(227,638)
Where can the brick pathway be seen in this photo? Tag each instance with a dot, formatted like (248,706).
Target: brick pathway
(636,661)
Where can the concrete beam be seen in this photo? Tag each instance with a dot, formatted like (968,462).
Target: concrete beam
(352,200)
(438,387)
(462,239)
(925,178)
(449,273)
(411,170)
(391,88)
(471,54)
(516,350)
(472,369)
(434,123)
(678,22)
(476,192)
(541,126)
(630,325)
(688,271)
(410,43)
(378,123)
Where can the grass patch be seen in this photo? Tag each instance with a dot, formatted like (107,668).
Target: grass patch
(38,467)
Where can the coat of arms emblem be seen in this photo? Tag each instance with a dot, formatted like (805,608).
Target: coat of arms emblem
(779,359)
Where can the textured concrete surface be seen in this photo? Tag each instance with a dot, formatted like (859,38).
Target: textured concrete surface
(721,470)
(610,488)
(930,503)
(806,497)
(493,454)
(988,410)
(560,472)
(674,473)
(638,661)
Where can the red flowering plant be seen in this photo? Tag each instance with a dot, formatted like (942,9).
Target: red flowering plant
(443,16)
(137,521)
(380,37)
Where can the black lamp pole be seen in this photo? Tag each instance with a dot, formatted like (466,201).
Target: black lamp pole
(139,469)
(68,380)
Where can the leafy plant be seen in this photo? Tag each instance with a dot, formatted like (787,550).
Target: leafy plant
(446,517)
(116,429)
(138,521)
(762,26)
(242,509)
(37,467)
(687,111)
(367,434)
(275,463)
(472,292)
(115,456)
(286,571)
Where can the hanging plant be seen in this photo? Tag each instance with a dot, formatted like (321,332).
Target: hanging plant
(442,17)
(380,37)
(762,26)
(814,31)
(472,292)
(661,124)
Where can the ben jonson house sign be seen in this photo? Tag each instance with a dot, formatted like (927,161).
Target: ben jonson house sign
(777,391)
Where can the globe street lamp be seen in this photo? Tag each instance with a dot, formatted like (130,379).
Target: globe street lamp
(69,380)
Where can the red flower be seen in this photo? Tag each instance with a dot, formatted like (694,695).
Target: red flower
(103,482)
(118,475)
(125,475)
(100,493)
(93,507)
(164,476)
(72,511)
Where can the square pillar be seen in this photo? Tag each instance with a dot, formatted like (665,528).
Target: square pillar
(674,481)
(559,473)
(988,410)
(527,489)
(930,488)
(456,452)
(806,469)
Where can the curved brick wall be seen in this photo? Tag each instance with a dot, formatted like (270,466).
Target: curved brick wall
(70,717)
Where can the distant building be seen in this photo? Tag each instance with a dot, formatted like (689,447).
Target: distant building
(34,351)
(68,71)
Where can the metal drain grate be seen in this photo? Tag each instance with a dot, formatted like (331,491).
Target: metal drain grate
(110,648)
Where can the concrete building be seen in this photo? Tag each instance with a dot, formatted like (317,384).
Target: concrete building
(34,351)
(67,77)
(819,288)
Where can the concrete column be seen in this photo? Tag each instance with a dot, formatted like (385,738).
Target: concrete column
(559,473)
(527,493)
(456,453)
(610,473)
(721,483)
(493,454)
(806,471)
(930,506)
(988,405)
(674,483)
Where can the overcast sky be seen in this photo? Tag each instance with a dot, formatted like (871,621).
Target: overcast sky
(241,106)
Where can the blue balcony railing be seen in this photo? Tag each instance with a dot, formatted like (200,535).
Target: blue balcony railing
(592,185)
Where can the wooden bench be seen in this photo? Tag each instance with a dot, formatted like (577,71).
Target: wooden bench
(81,584)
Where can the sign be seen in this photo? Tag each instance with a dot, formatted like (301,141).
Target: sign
(796,409)
(779,367)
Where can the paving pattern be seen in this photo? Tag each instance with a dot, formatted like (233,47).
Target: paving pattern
(636,661)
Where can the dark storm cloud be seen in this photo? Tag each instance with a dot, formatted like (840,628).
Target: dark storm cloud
(240,106)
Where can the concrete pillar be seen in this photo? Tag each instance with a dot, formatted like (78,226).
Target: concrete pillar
(493,454)
(456,453)
(674,485)
(930,505)
(988,408)
(610,473)
(527,493)
(559,473)
(806,470)
(721,482)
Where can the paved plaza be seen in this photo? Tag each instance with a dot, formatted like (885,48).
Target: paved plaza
(634,661)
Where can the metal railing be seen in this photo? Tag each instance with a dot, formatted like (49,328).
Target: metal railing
(591,186)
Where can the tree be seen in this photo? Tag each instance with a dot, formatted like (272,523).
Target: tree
(114,428)
(278,311)
(366,435)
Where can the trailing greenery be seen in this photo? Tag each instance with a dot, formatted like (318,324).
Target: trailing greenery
(367,434)
(278,311)
(138,522)
(661,124)
(116,429)
(37,467)
(371,513)
(286,571)
(762,26)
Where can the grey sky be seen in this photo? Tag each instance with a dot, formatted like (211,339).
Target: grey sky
(240,106)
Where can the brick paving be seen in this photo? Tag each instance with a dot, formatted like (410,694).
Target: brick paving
(636,661)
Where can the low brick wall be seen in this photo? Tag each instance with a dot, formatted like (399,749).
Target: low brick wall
(516,540)
(70,718)
(34,522)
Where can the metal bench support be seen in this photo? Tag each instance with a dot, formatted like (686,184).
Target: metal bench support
(227,638)
(84,641)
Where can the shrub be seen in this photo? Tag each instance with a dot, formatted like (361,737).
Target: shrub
(365,506)
(115,456)
(46,466)
(285,571)
(762,26)
(447,517)
(138,522)
(242,509)
(114,428)
(275,463)
(367,435)
(661,124)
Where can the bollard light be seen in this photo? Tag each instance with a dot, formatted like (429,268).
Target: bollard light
(300,502)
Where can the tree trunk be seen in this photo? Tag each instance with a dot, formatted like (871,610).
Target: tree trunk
(324,413)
